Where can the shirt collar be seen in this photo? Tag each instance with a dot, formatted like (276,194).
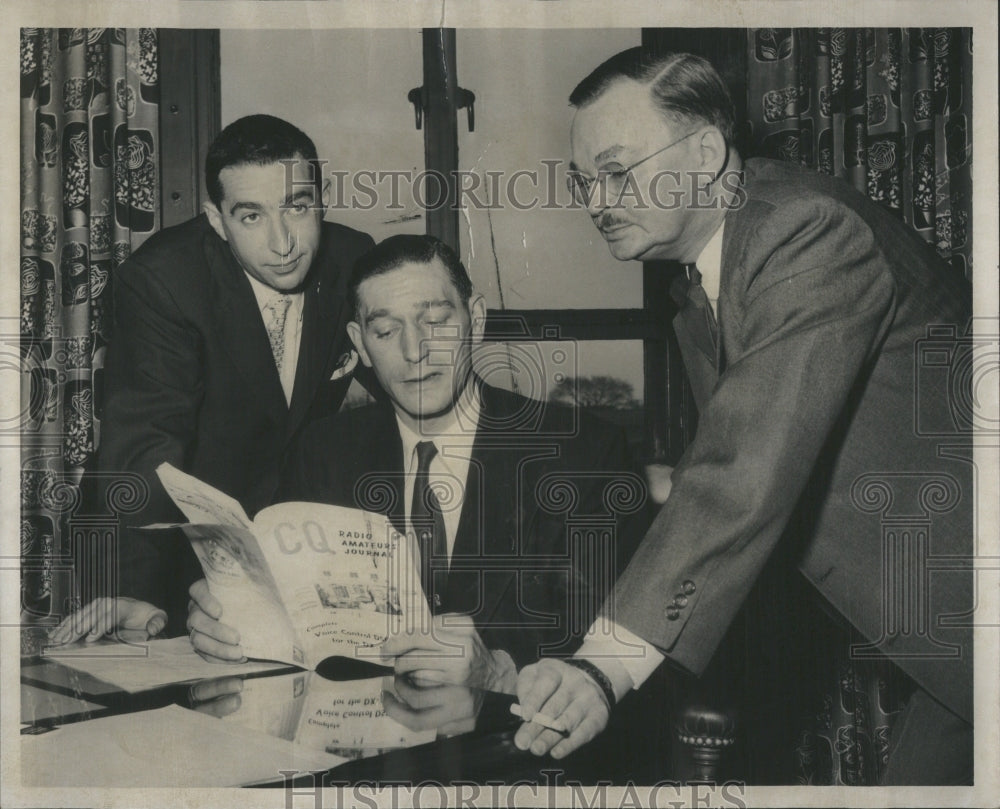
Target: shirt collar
(709,263)
(457,437)
(265,294)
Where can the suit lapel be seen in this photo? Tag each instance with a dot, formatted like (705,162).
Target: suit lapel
(488,524)
(241,330)
(470,522)
(735,235)
(387,474)
(720,347)
(324,311)
(705,359)
(699,365)
(394,460)
(691,319)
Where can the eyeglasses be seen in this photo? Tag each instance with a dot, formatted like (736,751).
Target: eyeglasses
(614,181)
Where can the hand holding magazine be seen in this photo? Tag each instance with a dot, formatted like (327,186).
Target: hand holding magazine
(302,582)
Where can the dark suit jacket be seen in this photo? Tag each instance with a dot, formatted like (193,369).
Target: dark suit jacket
(190,379)
(811,431)
(553,507)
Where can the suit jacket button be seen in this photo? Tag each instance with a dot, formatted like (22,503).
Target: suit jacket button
(680,601)
(673,615)
(688,587)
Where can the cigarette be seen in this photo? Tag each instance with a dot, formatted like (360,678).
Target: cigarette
(542,719)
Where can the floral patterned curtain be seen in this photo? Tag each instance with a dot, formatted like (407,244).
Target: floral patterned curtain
(890,111)
(89,196)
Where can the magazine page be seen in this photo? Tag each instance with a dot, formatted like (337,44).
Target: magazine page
(199,502)
(237,572)
(349,719)
(239,577)
(346,576)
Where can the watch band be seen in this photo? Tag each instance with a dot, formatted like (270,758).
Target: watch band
(598,676)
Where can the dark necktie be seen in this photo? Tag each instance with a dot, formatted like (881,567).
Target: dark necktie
(698,334)
(428,523)
(704,328)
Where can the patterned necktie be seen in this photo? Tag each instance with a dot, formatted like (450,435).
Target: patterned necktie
(275,315)
(428,522)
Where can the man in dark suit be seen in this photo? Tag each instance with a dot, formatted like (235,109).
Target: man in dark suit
(802,308)
(229,339)
(523,510)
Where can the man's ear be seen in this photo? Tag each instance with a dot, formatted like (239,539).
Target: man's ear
(354,332)
(477,313)
(713,148)
(325,194)
(215,219)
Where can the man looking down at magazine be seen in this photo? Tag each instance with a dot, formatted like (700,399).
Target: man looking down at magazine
(522,511)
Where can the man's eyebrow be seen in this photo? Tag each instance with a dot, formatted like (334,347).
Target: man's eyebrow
(441,303)
(375,314)
(609,152)
(302,193)
(247,206)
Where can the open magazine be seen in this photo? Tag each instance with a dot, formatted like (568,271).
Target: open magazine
(301,582)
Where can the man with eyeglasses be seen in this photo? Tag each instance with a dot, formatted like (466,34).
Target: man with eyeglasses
(801,311)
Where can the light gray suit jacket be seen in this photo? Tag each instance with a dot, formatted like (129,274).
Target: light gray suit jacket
(836,432)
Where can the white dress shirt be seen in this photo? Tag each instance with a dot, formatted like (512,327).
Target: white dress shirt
(449,472)
(709,264)
(293,330)
(449,469)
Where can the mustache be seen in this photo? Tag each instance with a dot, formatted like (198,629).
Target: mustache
(607,220)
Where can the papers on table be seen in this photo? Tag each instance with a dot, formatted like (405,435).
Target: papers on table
(168,747)
(37,705)
(147,665)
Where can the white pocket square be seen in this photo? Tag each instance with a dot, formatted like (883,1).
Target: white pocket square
(345,364)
